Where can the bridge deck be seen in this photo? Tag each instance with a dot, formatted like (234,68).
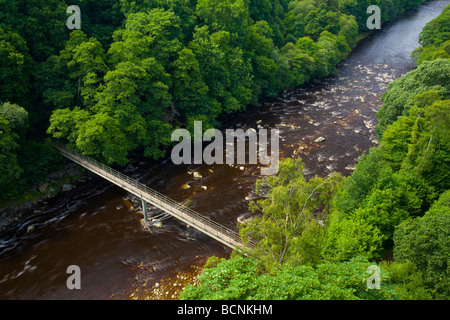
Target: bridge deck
(204,224)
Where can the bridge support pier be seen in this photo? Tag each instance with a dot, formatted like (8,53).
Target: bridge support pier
(144,209)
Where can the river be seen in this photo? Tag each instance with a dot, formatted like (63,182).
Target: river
(93,227)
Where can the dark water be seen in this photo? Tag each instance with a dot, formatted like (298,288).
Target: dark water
(92,227)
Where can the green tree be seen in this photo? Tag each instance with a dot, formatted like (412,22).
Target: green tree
(321,19)
(14,67)
(294,24)
(328,54)
(225,15)
(358,9)
(360,184)
(100,19)
(288,209)
(399,96)
(9,167)
(127,114)
(300,65)
(17,117)
(351,236)
(190,91)
(441,205)
(156,33)
(41,23)
(437,30)
(348,30)
(123,105)
(88,67)
(425,242)
(225,69)
(63,79)
(407,280)
(261,49)
(429,150)
(396,141)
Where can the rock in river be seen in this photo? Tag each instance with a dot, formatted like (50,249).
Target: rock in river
(319,139)
(197,175)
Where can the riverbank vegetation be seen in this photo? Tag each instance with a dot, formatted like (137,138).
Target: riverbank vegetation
(135,71)
(317,238)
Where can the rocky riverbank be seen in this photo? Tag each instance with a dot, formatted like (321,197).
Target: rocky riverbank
(61,180)
(169,288)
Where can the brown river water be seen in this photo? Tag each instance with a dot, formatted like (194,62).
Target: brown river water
(93,227)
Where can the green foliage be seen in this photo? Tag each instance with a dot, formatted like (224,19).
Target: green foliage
(100,19)
(155,33)
(225,70)
(407,280)
(225,15)
(403,175)
(123,107)
(14,67)
(357,9)
(309,246)
(321,19)
(239,278)
(9,166)
(290,207)
(351,237)
(389,9)
(299,65)
(264,59)
(41,23)
(384,210)
(189,88)
(399,98)
(432,155)
(441,205)
(17,117)
(434,39)
(360,184)
(330,50)
(431,52)
(437,30)
(425,242)
(396,140)
(294,24)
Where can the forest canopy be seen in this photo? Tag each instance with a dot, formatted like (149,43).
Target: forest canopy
(139,69)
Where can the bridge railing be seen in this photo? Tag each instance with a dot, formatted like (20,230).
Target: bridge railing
(173,205)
